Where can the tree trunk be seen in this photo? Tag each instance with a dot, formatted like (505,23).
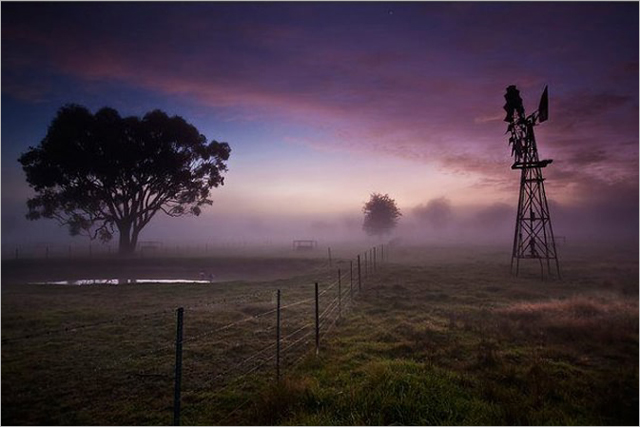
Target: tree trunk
(134,239)
(127,245)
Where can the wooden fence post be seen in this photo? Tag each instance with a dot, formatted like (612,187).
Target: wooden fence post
(178,367)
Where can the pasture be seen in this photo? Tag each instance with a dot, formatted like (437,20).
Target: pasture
(437,335)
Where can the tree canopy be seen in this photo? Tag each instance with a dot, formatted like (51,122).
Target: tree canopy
(380,215)
(100,173)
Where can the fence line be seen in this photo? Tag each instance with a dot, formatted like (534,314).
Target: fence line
(244,298)
(331,307)
(230,325)
(328,317)
(297,331)
(288,344)
(331,325)
(122,319)
(328,288)
(293,304)
(296,341)
(334,301)
(251,358)
(145,250)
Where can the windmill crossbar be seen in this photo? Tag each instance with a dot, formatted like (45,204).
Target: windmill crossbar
(538,164)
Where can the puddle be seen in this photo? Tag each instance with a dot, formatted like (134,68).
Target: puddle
(82,282)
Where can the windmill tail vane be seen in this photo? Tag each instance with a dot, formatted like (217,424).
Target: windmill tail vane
(543,107)
(533,238)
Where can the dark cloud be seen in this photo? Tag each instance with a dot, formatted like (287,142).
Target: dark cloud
(576,111)
(582,158)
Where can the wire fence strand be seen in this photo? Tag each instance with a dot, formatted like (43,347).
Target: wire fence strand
(293,347)
(293,304)
(293,343)
(229,325)
(297,331)
(329,306)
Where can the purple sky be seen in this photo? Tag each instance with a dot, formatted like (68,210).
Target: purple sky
(324,103)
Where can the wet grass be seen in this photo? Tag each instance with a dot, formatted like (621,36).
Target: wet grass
(463,343)
(436,337)
(104,354)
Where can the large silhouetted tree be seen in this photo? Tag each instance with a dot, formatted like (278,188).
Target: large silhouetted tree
(100,173)
(380,215)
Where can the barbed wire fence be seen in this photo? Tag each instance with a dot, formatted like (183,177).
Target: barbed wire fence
(210,348)
(146,249)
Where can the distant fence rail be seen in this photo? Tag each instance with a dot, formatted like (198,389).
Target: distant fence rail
(304,244)
(202,347)
(145,249)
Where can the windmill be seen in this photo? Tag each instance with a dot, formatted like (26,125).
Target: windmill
(533,238)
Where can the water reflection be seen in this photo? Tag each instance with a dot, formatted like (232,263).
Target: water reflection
(81,282)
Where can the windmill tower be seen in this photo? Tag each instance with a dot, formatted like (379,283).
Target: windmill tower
(533,238)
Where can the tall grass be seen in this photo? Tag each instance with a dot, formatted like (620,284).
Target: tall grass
(464,343)
(603,319)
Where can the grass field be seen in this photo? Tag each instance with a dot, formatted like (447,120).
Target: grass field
(436,336)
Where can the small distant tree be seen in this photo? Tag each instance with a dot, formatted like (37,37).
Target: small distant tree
(98,173)
(380,215)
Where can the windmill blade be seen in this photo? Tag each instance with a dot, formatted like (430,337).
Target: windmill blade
(543,108)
